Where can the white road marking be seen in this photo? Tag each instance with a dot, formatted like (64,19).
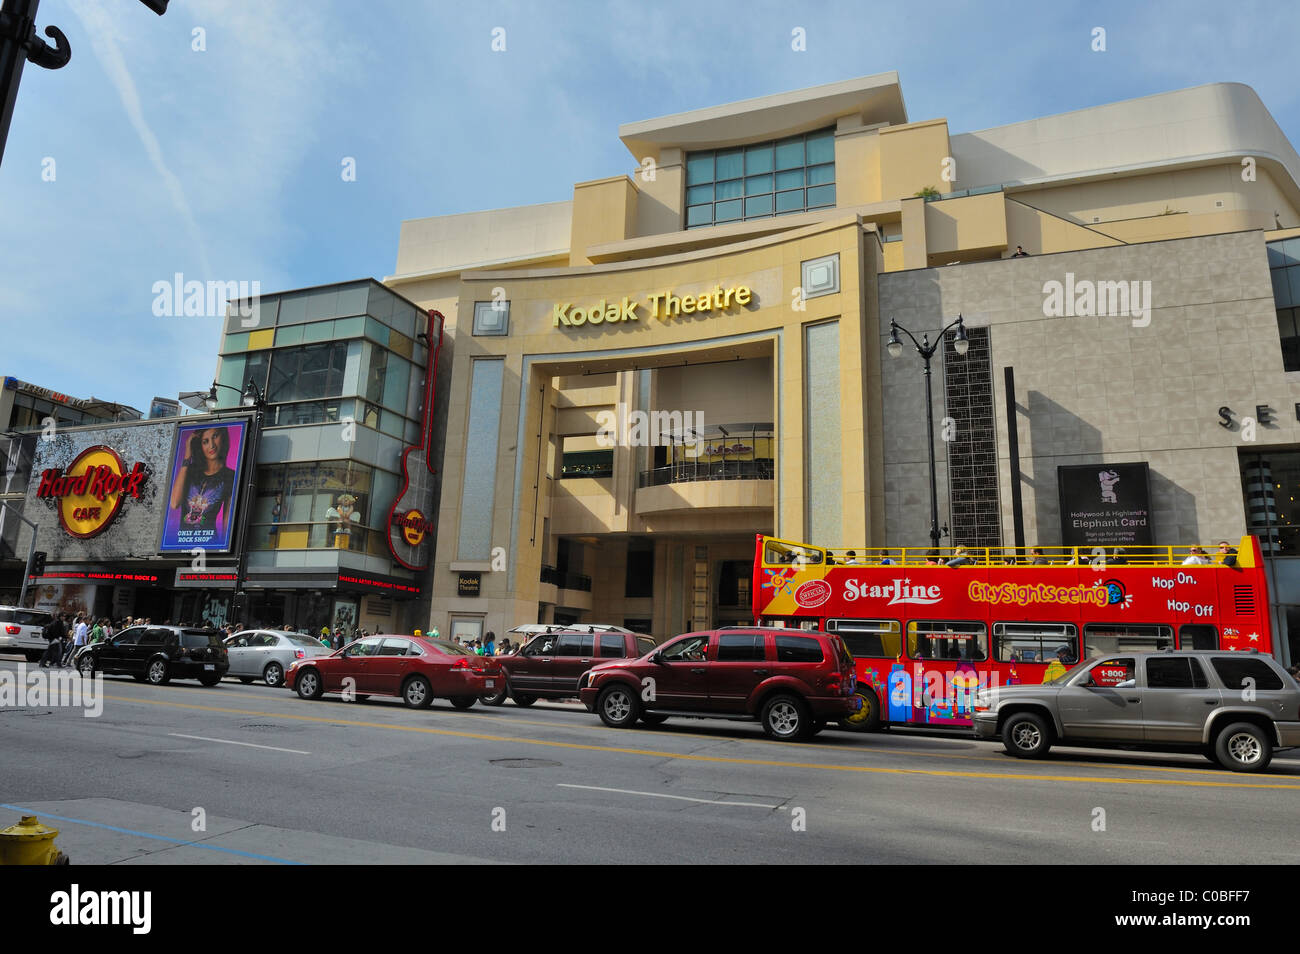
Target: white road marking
(251,745)
(680,798)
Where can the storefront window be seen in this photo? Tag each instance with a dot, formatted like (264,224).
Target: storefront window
(325,505)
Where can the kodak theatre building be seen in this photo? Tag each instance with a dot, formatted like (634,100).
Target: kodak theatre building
(649,373)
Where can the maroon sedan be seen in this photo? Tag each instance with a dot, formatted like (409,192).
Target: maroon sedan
(417,669)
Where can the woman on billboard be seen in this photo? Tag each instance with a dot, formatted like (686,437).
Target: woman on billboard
(204,485)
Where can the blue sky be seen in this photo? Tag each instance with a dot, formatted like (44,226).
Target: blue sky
(225,164)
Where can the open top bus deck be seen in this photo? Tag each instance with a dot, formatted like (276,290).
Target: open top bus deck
(929,628)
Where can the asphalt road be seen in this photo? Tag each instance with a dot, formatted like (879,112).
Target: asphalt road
(237,774)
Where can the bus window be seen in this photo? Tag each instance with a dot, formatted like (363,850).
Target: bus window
(1036,642)
(1099,638)
(789,553)
(941,639)
(1198,636)
(869,638)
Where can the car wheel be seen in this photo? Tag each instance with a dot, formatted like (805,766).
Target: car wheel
(309,684)
(246,680)
(86,666)
(1026,736)
(618,706)
(653,718)
(786,718)
(156,673)
(273,675)
(866,719)
(522,700)
(498,696)
(417,693)
(463,702)
(209,679)
(1244,747)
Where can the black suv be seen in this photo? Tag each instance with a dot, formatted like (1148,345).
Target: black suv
(157,654)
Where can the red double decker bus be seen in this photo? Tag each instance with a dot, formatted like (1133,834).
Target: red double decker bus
(928,631)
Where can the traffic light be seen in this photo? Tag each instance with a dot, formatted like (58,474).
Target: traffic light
(38,563)
(157,6)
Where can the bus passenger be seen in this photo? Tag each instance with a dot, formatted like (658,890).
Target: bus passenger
(1036,557)
(960,558)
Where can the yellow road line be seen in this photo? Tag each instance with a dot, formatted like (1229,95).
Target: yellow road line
(717,759)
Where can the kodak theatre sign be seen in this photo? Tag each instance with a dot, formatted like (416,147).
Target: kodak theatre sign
(664,305)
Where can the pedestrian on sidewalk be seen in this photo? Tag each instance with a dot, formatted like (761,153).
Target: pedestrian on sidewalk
(53,633)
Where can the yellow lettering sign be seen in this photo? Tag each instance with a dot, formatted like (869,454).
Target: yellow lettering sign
(662,305)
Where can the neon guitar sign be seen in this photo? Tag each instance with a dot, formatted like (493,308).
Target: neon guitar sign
(410,531)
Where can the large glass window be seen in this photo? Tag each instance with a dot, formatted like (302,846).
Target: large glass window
(328,504)
(761,180)
(869,638)
(309,373)
(1036,642)
(1284,270)
(1101,638)
(942,639)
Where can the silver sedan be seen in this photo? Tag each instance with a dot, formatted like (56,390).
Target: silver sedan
(266,653)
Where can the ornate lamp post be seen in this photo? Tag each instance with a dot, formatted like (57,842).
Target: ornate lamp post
(19,43)
(926,351)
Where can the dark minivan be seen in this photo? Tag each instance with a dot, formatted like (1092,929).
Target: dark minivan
(158,654)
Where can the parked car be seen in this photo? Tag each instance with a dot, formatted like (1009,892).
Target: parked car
(22,631)
(1236,708)
(267,653)
(412,667)
(792,681)
(158,654)
(551,664)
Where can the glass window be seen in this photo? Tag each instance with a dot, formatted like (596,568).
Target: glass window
(645,644)
(941,639)
(309,373)
(612,646)
(1174,673)
(398,379)
(587,464)
(1290,337)
(716,179)
(1101,638)
(576,644)
(1036,642)
(395,647)
(869,638)
(744,647)
(128,637)
(1235,670)
(798,649)
(491,318)
(1117,673)
(697,194)
(730,164)
(1198,636)
(758,159)
(364,647)
(690,649)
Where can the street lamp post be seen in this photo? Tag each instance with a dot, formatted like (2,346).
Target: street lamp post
(19,43)
(254,397)
(926,351)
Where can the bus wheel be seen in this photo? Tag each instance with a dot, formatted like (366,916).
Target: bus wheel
(866,719)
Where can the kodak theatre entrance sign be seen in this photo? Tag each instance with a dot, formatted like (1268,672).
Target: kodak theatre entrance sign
(664,305)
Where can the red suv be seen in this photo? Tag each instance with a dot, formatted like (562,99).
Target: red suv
(551,664)
(793,681)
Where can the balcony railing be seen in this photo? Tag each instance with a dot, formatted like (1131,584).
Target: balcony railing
(566,581)
(688,471)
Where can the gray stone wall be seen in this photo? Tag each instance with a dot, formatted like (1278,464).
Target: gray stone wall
(1102,389)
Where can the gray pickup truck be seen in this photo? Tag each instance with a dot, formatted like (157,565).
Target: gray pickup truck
(1236,708)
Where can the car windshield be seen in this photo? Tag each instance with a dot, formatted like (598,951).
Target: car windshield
(198,638)
(1069,674)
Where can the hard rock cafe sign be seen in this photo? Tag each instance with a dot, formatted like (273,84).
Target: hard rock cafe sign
(410,531)
(90,491)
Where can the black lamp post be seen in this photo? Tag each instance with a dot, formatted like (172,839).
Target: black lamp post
(254,397)
(19,43)
(926,351)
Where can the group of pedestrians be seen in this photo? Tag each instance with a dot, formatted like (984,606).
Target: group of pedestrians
(65,634)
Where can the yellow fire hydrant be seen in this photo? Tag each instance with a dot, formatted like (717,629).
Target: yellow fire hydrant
(30,843)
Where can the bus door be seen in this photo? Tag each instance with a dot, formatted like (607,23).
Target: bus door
(951,654)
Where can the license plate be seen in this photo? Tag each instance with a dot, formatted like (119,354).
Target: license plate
(491,683)
(210,666)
